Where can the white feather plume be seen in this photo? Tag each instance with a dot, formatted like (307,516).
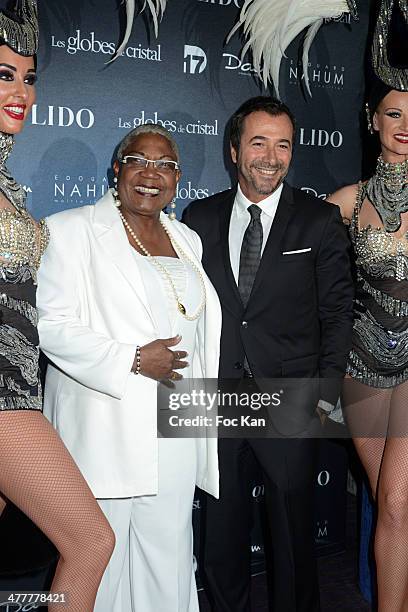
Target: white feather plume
(269,27)
(310,34)
(156,7)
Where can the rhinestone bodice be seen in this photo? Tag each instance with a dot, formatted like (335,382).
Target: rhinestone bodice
(380,253)
(375,244)
(22,243)
(22,240)
(379,355)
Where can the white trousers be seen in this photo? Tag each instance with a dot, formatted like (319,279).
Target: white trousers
(151,569)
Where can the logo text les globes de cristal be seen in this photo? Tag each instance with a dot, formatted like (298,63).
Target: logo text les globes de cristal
(208,127)
(89,43)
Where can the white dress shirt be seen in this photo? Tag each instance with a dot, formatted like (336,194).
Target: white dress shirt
(240,219)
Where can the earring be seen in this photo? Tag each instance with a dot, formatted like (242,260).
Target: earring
(172,213)
(115,193)
(369,124)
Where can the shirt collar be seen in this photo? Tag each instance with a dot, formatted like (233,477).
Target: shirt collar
(268,205)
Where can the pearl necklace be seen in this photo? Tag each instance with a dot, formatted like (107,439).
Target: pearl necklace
(180,306)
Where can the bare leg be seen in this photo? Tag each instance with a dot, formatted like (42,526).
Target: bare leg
(378,412)
(40,477)
(391,540)
(367,413)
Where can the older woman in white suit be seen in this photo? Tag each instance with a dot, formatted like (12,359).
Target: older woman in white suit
(123,303)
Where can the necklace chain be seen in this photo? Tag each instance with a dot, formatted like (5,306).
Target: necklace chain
(180,306)
(394,175)
(387,190)
(9,187)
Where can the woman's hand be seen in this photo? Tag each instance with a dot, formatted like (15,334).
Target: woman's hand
(157,361)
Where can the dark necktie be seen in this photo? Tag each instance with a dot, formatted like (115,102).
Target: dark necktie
(250,253)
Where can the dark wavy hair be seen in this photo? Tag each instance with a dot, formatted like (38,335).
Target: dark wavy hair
(266,104)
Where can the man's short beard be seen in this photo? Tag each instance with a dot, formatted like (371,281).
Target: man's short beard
(263,190)
(267,191)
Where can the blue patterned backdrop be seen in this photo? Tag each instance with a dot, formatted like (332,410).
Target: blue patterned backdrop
(189,80)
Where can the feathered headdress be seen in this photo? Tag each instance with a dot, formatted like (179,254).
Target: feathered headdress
(270,26)
(19,27)
(390,38)
(157,8)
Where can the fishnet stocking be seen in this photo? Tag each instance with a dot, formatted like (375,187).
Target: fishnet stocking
(385,459)
(40,477)
(2,504)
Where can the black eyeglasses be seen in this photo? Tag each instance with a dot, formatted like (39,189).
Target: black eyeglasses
(140,163)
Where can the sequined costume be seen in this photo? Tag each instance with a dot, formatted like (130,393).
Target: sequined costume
(22,242)
(379,354)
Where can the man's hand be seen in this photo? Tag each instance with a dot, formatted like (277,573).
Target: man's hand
(157,361)
(321,414)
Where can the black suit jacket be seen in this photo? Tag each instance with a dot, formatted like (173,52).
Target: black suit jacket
(298,320)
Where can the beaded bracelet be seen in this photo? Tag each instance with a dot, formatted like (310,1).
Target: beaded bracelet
(137,369)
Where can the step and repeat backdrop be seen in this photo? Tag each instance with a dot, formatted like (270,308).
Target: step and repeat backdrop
(189,81)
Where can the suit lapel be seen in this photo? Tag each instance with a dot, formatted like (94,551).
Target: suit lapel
(111,234)
(271,251)
(230,296)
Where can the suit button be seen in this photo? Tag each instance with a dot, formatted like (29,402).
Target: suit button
(238,365)
(244,324)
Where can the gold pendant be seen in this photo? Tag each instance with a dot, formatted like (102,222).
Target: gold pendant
(181,308)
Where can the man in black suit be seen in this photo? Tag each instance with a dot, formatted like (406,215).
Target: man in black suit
(279,261)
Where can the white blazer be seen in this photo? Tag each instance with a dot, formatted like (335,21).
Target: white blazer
(93,311)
